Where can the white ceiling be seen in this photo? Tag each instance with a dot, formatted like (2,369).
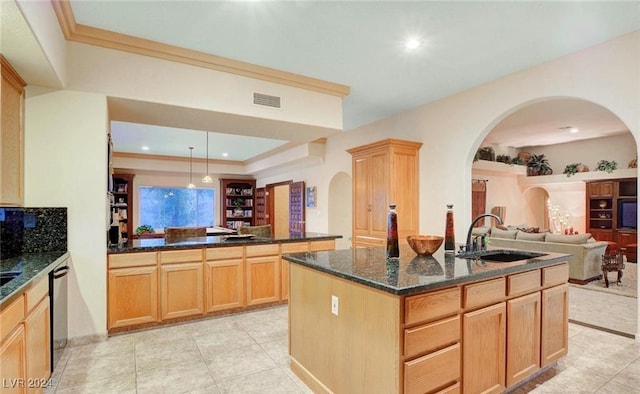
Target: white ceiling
(360,44)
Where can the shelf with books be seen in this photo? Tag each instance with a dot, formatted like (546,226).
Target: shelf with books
(237,202)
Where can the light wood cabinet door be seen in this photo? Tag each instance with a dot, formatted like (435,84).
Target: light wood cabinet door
(224,285)
(11,136)
(132,296)
(38,349)
(555,324)
(263,279)
(284,279)
(13,363)
(483,353)
(181,289)
(523,337)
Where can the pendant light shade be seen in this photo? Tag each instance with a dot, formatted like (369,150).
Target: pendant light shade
(207,178)
(191,185)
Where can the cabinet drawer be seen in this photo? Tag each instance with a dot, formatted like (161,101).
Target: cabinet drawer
(317,246)
(36,293)
(181,256)
(432,336)
(263,250)
(367,240)
(126,260)
(233,252)
(484,293)
(431,306)
(434,370)
(453,389)
(523,283)
(297,247)
(11,316)
(555,275)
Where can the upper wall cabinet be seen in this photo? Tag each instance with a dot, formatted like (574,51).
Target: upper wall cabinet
(11,136)
(384,172)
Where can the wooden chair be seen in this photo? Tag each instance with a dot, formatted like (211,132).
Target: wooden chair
(184,232)
(613,262)
(259,231)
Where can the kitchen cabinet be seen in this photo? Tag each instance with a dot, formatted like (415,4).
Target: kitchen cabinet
(11,135)
(384,172)
(132,289)
(224,278)
(611,211)
(523,337)
(237,202)
(37,338)
(555,327)
(181,283)
(263,274)
(296,247)
(12,361)
(484,355)
(600,189)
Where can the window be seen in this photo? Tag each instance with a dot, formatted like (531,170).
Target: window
(162,207)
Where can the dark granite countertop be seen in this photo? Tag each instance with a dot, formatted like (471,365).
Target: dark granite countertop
(33,267)
(156,244)
(411,273)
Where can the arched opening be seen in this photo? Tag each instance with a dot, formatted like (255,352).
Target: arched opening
(558,202)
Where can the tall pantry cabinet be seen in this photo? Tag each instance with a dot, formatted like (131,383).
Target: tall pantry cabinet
(384,172)
(11,136)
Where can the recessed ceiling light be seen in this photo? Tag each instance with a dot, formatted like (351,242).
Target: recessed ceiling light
(225,154)
(573,130)
(412,44)
(570,129)
(144,147)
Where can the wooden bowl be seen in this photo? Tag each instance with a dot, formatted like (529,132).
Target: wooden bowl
(424,245)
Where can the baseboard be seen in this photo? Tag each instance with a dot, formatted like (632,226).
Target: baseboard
(585,281)
(307,377)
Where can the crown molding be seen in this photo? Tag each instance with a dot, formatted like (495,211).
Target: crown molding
(122,42)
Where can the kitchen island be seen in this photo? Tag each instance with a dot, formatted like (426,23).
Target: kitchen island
(359,323)
(157,281)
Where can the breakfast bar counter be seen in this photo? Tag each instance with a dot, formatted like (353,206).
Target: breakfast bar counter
(360,323)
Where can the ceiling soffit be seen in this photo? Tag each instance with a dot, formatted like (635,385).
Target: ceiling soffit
(108,39)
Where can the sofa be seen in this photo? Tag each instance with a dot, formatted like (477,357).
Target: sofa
(586,253)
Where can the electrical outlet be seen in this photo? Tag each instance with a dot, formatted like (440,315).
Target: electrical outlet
(334,305)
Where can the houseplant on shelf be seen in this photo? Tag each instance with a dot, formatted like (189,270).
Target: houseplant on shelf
(237,211)
(144,229)
(538,165)
(573,168)
(606,165)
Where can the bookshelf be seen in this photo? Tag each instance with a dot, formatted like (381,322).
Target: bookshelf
(237,202)
(122,204)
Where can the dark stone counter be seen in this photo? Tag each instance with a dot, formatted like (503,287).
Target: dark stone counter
(157,244)
(33,267)
(411,273)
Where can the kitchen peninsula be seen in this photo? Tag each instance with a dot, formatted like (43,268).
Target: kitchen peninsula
(362,324)
(156,281)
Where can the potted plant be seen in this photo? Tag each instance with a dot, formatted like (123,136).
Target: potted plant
(538,165)
(238,203)
(606,165)
(144,229)
(487,153)
(518,160)
(503,159)
(573,168)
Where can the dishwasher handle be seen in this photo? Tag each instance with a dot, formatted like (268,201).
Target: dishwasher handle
(60,272)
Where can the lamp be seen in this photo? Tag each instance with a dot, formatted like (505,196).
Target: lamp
(191,185)
(207,178)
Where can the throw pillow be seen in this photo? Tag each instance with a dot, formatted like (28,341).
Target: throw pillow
(526,236)
(484,230)
(568,239)
(499,233)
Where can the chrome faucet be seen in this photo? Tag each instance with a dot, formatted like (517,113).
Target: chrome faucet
(469,246)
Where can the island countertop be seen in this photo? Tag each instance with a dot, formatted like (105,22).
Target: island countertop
(158,244)
(411,273)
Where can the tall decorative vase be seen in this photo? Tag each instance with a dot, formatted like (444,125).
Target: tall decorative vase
(393,250)
(449,237)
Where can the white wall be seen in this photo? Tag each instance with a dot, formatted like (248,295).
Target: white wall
(66,166)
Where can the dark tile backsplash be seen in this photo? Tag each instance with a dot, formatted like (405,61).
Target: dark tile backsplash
(32,230)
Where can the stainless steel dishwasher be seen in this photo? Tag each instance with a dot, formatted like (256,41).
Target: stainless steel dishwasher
(58,310)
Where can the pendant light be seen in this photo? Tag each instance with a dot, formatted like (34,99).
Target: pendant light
(207,178)
(191,185)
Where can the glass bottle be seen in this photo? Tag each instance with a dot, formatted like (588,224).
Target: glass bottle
(393,250)
(449,237)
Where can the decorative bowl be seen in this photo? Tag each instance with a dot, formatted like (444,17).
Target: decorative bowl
(425,245)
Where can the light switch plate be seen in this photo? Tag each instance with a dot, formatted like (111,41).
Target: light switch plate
(334,305)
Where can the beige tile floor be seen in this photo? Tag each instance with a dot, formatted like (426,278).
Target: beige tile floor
(247,353)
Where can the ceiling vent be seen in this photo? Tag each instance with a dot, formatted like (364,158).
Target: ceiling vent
(266,100)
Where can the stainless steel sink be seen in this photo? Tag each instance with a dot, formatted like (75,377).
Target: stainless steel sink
(8,276)
(506,256)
